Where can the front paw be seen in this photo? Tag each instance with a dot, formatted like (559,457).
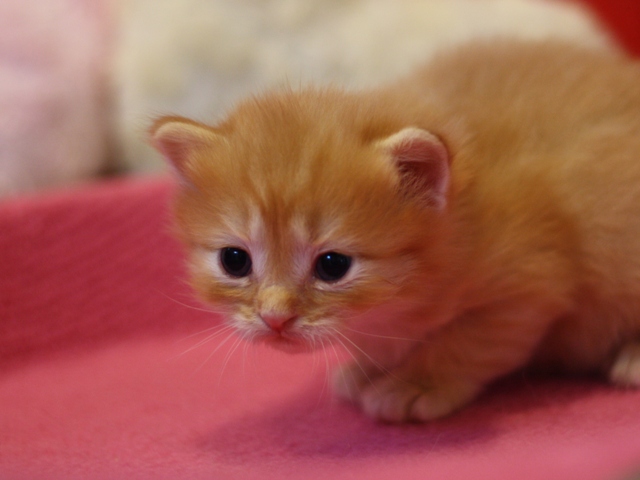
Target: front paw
(388,398)
(394,400)
(626,368)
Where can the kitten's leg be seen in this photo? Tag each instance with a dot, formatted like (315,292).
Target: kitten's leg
(443,375)
(351,377)
(626,367)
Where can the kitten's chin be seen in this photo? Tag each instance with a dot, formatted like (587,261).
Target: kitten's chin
(287,344)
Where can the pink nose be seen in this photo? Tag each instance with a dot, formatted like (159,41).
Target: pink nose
(277,322)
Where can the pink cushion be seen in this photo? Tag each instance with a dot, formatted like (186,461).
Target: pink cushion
(97,379)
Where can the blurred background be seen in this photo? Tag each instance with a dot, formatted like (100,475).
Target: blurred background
(81,80)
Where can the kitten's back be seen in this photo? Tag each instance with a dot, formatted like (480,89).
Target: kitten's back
(550,177)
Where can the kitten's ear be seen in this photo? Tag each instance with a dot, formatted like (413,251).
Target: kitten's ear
(177,139)
(423,163)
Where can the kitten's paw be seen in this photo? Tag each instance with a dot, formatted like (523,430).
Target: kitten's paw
(393,400)
(626,368)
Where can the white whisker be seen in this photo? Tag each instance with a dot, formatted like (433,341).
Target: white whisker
(335,352)
(232,334)
(207,339)
(355,359)
(248,337)
(227,357)
(366,355)
(386,336)
(326,373)
(215,327)
(244,355)
(314,365)
(191,307)
(337,356)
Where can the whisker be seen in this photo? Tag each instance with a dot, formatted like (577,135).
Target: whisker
(385,336)
(316,361)
(326,373)
(335,352)
(191,307)
(219,330)
(232,334)
(355,360)
(244,355)
(367,356)
(227,357)
(215,327)
(207,339)
(249,337)
(362,313)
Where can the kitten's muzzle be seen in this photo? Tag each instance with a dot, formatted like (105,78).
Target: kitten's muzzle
(278,323)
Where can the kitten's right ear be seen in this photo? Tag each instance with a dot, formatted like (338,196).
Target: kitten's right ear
(177,139)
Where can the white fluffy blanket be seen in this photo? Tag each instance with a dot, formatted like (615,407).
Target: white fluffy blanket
(80,79)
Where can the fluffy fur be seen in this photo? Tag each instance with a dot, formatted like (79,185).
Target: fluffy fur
(490,204)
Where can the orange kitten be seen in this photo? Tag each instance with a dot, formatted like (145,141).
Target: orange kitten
(488,208)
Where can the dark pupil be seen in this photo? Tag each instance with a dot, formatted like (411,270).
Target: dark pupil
(235,261)
(332,266)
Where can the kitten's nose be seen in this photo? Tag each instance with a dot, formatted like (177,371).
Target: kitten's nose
(278,322)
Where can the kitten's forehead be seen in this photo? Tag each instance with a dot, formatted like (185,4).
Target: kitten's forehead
(296,171)
(265,219)
(297,134)
(295,232)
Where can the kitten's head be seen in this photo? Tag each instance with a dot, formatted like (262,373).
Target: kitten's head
(302,211)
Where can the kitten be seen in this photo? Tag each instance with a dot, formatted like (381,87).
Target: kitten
(477,217)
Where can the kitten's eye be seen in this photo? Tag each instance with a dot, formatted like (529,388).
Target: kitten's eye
(332,266)
(235,261)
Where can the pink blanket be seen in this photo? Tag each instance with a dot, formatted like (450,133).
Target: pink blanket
(99,377)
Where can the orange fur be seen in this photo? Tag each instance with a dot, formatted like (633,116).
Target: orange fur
(534,258)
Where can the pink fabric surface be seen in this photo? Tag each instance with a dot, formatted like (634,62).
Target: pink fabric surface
(99,377)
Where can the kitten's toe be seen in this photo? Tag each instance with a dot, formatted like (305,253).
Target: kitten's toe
(393,400)
(439,403)
(389,400)
(626,368)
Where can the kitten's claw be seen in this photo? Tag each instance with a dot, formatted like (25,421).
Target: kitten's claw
(626,368)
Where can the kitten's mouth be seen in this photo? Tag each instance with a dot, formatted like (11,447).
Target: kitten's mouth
(287,343)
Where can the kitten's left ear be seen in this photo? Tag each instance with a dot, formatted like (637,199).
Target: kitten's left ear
(423,163)
(177,139)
